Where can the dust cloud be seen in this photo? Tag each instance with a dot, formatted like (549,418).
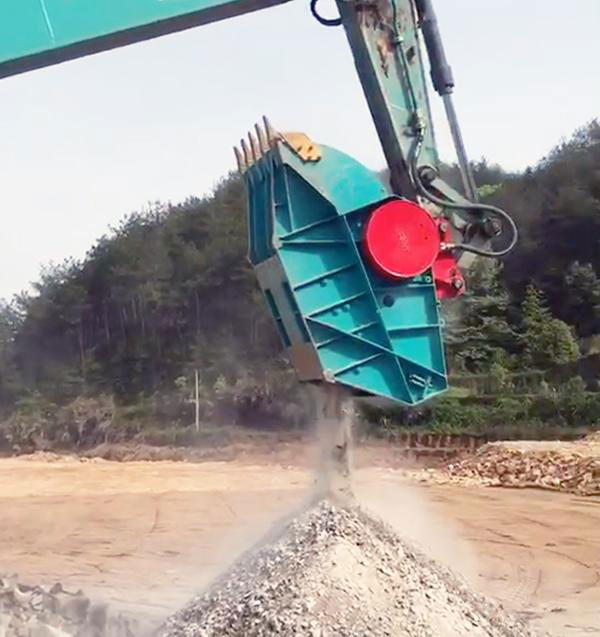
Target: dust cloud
(333,415)
(405,507)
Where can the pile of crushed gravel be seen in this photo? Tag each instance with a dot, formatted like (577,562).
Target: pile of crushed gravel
(40,611)
(336,571)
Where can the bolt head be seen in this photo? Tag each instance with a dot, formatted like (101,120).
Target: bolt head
(427,173)
(492,227)
(329,376)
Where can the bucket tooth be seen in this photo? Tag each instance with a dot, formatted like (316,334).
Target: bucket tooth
(247,157)
(262,140)
(254,148)
(272,135)
(239,158)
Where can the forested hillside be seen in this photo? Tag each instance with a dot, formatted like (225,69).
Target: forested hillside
(169,291)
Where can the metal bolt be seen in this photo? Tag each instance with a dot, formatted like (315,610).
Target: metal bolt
(492,228)
(329,376)
(458,283)
(443,227)
(427,174)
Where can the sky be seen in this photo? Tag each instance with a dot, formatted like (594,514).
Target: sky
(86,142)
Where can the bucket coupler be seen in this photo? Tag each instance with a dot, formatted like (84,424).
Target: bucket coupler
(351,273)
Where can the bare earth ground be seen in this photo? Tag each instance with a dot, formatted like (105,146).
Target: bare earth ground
(145,536)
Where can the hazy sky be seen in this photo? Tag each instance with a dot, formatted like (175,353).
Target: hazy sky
(85,142)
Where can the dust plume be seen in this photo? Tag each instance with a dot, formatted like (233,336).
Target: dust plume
(333,414)
(407,508)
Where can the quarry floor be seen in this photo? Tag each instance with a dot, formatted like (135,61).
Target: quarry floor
(145,536)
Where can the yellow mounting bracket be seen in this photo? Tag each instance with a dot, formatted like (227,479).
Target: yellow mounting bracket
(266,137)
(302,145)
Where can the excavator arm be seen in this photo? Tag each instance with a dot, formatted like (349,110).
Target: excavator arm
(353,270)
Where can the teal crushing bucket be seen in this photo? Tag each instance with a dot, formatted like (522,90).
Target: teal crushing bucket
(346,267)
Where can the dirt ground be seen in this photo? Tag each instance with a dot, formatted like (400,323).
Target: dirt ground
(145,536)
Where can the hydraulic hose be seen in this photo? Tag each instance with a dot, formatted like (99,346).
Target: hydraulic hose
(479,207)
(442,76)
(326,22)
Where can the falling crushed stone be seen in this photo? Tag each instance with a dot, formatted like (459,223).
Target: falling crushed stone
(334,413)
(336,571)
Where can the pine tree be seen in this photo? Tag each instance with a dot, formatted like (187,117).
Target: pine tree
(548,341)
(478,332)
(581,305)
(534,309)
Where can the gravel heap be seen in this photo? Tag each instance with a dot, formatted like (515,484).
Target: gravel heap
(40,611)
(336,571)
(573,467)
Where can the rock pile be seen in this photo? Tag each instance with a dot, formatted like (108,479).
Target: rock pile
(570,467)
(335,571)
(592,438)
(38,611)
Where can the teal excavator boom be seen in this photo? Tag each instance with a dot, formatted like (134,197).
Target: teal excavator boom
(353,270)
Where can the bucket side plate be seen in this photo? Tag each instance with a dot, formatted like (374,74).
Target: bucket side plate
(339,320)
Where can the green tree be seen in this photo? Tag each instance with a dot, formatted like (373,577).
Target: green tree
(10,381)
(168,291)
(581,306)
(556,205)
(548,341)
(478,332)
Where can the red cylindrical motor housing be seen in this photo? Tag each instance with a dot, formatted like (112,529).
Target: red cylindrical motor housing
(401,239)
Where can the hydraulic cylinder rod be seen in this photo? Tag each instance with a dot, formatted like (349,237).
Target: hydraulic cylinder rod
(443,83)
